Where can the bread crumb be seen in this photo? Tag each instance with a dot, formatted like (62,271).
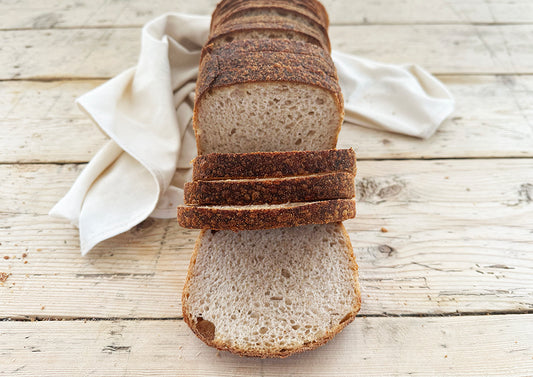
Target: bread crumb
(446,177)
(42,249)
(218,354)
(6,257)
(42,307)
(24,255)
(25,262)
(445,356)
(3,276)
(384,230)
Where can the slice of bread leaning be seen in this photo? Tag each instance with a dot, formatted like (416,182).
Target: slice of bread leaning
(271,293)
(267,95)
(272,164)
(265,216)
(338,185)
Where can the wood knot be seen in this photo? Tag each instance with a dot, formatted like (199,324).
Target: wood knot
(386,249)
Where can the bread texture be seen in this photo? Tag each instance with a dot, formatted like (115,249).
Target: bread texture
(267,95)
(265,216)
(271,190)
(267,27)
(271,293)
(272,164)
(312,11)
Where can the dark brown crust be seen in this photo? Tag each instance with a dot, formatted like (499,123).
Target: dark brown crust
(271,191)
(226,29)
(266,60)
(272,164)
(322,212)
(312,10)
(191,322)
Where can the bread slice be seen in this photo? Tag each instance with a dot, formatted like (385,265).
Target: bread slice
(311,11)
(271,190)
(272,164)
(265,216)
(267,95)
(271,293)
(267,27)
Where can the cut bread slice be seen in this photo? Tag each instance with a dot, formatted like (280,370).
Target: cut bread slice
(271,190)
(267,95)
(267,27)
(265,216)
(272,164)
(312,12)
(271,293)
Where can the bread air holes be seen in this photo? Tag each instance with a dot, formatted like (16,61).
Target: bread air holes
(263,330)
(285,273)
(205,328)
(228,39)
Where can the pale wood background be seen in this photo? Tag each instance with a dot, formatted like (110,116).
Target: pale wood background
(448,290)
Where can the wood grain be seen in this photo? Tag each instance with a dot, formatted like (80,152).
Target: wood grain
(458,240)
(100,13)
(453,346)
(446,49)
(493,118)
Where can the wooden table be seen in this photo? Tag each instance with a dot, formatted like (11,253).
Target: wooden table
(447,290)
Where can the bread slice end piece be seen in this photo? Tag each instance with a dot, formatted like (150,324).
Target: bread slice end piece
(271,293)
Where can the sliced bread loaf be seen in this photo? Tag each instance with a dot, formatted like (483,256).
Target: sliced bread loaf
(271,293)
(307,188)
(267,95)
(265,216)
(272,164)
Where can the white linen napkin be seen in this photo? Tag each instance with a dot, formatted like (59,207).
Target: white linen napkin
(146,112)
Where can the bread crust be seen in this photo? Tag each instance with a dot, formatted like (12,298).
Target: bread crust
(312,10)
(320,212)
(271,190)
(272,164)
(191,322)
(264,23)
(263,60)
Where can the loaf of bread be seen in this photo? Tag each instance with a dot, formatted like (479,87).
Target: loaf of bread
(267,95)
(273,271)
(272,164)
(271,293)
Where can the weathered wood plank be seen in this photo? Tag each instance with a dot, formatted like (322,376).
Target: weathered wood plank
(104,52)
(449,346)
(459,240)
(493,118)
(101,13)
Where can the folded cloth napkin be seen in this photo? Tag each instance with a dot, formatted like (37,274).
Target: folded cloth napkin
(146,111)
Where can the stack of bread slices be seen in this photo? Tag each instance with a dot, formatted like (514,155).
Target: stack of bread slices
(273,271)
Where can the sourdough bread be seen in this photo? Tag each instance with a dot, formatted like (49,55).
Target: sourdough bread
(271,293)
(270,190)
(272,164)
(265,216)
(267,95)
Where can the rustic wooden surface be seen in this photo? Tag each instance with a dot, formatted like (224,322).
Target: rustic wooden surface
(448,290)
